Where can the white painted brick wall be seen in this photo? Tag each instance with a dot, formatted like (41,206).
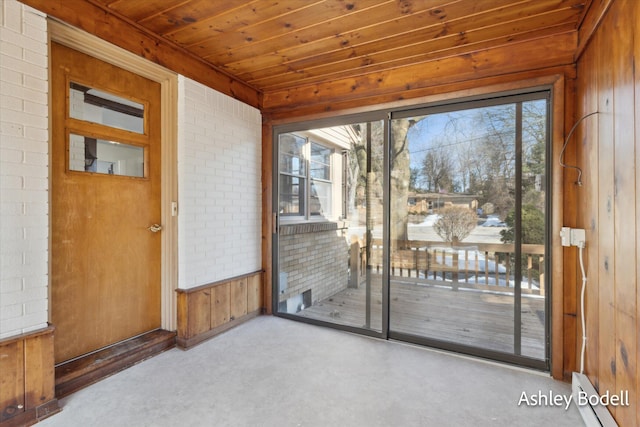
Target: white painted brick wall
(24,158)
(219,172)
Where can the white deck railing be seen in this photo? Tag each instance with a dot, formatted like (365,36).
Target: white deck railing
(484,266)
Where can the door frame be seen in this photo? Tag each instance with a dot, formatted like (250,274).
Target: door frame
(168,80)
(555,83)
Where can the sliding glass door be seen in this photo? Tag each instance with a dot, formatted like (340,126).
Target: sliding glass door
(467,238)
(428,226)
(330,224)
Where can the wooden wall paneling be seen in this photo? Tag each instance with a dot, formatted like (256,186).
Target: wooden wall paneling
(27,378)
(267,216)
(606,169)
(587,143)
(220,305)
(182,311)
(636,12)
(199,312)
(624,213)
(560,99)
(211,309)
(569,254)
(590,23)
(39,374)
(238,290)
(12,398)
(254,293)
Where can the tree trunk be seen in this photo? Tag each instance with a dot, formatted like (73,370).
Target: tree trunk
(399,182)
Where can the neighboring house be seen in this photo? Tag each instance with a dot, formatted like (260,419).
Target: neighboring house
(212,198)
(427,202)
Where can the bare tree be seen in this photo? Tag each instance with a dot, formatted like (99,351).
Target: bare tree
(455,224)
(399,180)
(437,168)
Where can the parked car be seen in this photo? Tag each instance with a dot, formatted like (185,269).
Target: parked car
(493,221)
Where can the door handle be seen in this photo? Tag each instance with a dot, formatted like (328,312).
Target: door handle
(154,228)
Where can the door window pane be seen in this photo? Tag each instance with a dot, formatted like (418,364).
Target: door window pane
(95,106)
(107,157)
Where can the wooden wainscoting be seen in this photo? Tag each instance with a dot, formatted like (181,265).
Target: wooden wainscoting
(27,382)
(208,310)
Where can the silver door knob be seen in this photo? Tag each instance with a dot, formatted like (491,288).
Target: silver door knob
(155,228)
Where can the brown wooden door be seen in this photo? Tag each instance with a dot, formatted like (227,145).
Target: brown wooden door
(105,194)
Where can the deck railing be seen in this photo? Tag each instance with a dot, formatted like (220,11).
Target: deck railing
(484,266)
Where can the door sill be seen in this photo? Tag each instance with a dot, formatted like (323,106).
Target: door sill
(78,373)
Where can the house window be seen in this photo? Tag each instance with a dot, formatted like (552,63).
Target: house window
(306,187)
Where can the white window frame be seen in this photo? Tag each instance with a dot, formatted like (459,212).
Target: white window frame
(307,216)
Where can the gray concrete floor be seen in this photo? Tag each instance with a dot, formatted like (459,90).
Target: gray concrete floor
(276,372)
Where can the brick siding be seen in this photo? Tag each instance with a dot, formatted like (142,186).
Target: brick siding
(313,260)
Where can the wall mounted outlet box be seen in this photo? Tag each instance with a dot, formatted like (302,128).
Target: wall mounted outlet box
(565,236)
(578,237)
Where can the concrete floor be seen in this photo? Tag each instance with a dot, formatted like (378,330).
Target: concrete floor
(276,372)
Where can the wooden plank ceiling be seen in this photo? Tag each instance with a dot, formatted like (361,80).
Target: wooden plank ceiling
(289,50)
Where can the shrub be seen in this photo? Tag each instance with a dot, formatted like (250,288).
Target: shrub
(455,223)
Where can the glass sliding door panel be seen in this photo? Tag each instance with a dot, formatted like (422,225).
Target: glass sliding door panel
(330,224)
(464,269)
(533,228)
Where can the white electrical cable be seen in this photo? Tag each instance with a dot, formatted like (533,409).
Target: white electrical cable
(566,141)
(584,286)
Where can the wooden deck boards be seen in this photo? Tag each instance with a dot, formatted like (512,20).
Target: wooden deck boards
(468,317)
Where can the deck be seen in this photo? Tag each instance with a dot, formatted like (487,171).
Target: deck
(430,309)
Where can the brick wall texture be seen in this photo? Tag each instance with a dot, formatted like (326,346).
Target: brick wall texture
(316,261)
(24,158)
(220,193)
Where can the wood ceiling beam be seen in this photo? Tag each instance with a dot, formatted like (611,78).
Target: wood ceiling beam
(423,95)
(400,83)
(95,20)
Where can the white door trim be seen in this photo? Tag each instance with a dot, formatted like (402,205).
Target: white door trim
(107,52)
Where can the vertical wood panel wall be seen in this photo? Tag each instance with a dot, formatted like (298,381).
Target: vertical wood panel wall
(27,381)
(208,310)
(608,204)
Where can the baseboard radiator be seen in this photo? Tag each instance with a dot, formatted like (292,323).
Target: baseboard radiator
(592,415)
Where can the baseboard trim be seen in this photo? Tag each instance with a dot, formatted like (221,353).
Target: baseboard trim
(79,373)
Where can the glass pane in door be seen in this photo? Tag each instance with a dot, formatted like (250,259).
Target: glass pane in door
(466,271)
(329,246)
